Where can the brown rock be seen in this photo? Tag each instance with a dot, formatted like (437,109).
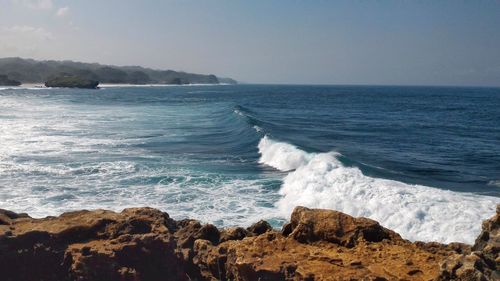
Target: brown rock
(259,227)
(233,233)
(481,264)
(133,257)
(6,216)
(308,225)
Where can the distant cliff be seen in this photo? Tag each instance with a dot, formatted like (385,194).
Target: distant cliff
(32,71)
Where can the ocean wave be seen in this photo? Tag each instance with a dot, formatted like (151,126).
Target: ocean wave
(416,212)
(251,119)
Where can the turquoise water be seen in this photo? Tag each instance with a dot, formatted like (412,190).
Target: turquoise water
(424,161)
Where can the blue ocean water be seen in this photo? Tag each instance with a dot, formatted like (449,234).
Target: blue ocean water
(424,161)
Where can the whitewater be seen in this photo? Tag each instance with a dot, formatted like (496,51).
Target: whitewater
(416,212)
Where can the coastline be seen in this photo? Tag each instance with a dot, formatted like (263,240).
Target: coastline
(316,244)
(157,85)
(37,86)
(107,85)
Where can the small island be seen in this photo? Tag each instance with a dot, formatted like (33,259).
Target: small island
(71,82)
(5,81)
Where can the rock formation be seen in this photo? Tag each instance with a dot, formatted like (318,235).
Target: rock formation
(146,244)
(484,260)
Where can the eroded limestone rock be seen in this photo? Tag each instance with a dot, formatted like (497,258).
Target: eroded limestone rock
(146,244)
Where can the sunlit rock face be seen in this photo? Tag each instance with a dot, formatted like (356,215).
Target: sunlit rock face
(146,244)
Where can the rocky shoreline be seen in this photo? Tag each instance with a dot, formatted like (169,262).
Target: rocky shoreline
(146,244)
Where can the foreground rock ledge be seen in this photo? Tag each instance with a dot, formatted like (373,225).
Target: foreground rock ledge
(146,244)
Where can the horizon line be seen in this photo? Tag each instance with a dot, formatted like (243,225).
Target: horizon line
(262,83)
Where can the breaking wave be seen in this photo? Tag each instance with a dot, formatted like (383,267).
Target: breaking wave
(320,180)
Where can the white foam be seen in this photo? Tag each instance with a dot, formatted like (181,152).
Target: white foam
(416,212)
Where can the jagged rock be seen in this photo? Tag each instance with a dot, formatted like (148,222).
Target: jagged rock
(308,225)
(233,233)
(488,242)
(191,230)
(481,264)
(260,227)
(146,244)
(87,245)
(7,216)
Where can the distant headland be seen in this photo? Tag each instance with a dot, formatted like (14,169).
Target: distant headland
(15,71)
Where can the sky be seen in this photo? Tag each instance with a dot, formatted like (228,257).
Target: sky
(401,42)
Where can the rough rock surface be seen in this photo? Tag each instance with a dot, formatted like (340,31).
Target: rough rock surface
(146,244)
(483,263)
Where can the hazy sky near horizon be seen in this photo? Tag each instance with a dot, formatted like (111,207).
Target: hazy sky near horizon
(425,42)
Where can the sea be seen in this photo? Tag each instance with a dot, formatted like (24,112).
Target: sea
(423,161)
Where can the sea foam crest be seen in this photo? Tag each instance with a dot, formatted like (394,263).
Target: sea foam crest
(416,212)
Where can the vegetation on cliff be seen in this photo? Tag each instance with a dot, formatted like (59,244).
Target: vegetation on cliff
(5,81)
(71,82)
(146,244)
(32,71)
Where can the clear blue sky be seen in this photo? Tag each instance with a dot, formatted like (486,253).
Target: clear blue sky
(268,41)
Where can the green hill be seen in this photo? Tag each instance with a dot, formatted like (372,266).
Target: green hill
(33,71)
